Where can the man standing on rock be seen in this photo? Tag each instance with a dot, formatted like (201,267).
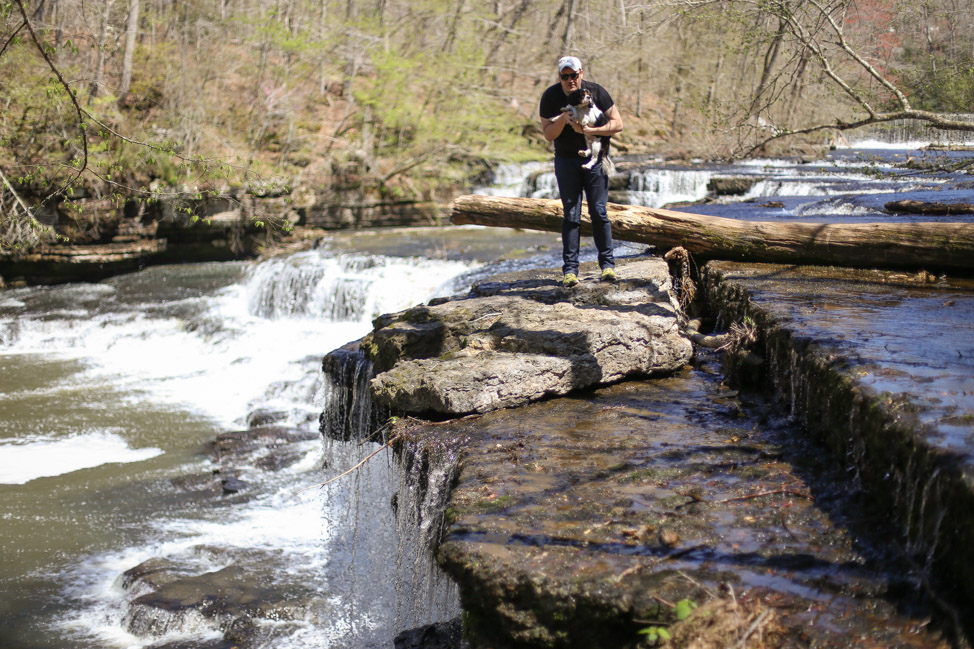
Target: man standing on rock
(573,178)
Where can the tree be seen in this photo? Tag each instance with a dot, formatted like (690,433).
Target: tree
(861,68)
(131,32)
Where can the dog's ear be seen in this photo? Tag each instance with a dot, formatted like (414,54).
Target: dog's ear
(575,97)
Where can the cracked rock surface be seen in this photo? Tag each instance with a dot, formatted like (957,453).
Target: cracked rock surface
(523,336)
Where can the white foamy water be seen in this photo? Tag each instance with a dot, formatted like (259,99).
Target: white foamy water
(284,524)
(259,331)
(510,179)
(152,341)
(871,144)
(659,187)
(23,460)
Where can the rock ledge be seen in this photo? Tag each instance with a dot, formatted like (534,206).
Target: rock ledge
(522,337)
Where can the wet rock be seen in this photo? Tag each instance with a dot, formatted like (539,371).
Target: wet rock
(233,485)
(921,207)
(731,186)
(442,635)
(215,643)
(247,447)
(153,573)
(578,522)
(265,417)
(270,448)
(523,337)
(205,483)
(230,599)
(877,366)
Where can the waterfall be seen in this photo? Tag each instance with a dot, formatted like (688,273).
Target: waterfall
(512,179)
(786,187)
(907,134)
(427,473)
(347,411)
(342,288)
(659,187)
(171,357)
(648,187)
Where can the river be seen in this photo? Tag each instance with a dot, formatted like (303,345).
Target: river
(110,392)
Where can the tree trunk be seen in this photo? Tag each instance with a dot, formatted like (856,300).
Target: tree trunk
(929,246)
(568,38)
(919,207)
(99,81)
(131,31)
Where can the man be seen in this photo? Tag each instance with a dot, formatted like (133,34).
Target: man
(573,178)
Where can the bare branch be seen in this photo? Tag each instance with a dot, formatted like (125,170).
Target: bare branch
(802,34)
(933,119)
(844,44)
(12,37)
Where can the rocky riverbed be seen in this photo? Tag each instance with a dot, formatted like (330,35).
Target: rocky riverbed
(599,514)
(588,480)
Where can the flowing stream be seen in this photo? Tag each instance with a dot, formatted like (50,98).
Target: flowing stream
(110,392)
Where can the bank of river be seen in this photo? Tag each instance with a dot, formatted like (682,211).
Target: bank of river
(812,513)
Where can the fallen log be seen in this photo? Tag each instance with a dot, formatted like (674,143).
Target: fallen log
(921,207)
(947,247)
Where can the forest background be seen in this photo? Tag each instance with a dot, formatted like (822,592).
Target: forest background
(417,99)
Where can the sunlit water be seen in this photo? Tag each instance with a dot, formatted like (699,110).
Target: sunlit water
(110,391)
(852,184)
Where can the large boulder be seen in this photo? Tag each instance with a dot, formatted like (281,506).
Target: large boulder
(522,336)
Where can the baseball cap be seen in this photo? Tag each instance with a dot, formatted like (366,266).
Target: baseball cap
(569,62)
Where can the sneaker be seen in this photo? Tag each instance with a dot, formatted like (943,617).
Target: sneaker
(609,275)
(569,280)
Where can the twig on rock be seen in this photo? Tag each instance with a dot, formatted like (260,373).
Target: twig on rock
(354,468)
(773,492)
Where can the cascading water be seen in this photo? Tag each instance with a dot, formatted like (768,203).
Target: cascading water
(851,183)
(906,134)
(659,187)
(167,358)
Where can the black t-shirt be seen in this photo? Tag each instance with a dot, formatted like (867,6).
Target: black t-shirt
(570,142)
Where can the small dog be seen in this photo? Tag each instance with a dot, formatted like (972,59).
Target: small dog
(586,113)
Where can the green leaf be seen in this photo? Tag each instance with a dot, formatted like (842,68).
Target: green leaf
(651,633)
(683,609)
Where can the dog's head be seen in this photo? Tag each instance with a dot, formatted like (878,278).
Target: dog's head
(580,97)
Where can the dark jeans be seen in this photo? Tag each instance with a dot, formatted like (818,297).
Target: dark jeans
(572,181)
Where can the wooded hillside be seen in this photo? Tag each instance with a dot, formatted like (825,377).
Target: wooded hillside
(411,98)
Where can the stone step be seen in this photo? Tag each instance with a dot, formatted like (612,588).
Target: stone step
(582,521)
(879,365)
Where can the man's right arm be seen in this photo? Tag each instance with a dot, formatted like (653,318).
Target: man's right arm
(552,128)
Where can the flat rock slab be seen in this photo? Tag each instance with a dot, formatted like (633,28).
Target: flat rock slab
(879,365)
(523,337)
(580,521)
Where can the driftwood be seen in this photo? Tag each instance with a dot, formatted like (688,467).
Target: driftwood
(930,246)
(921,207)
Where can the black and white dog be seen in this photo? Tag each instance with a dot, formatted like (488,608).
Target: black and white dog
(586,113)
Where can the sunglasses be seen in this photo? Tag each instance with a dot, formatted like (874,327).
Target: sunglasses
(571,75)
